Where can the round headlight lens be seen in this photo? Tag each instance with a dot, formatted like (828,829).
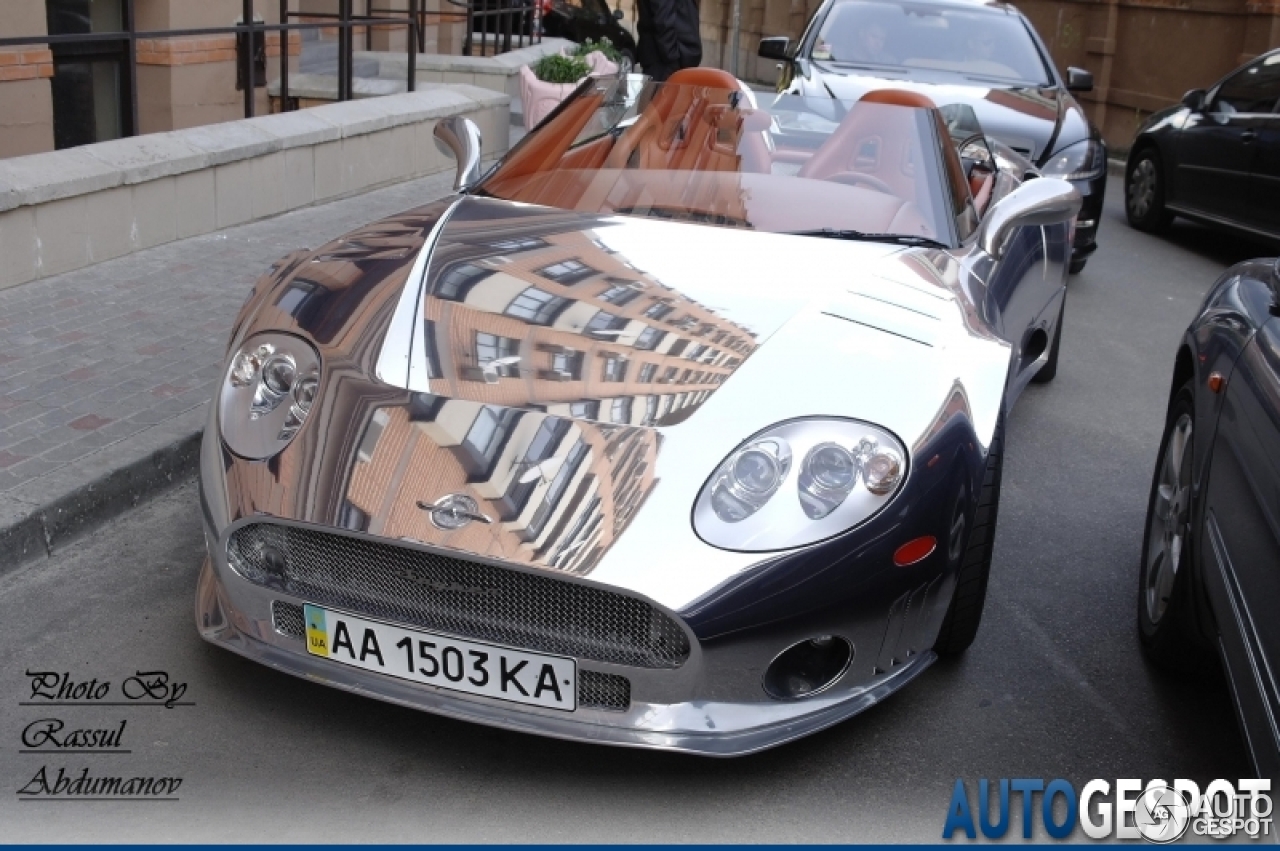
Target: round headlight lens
(279,374)
(826,477)
(268,390)
(747,480)
(850,471)
(755,471)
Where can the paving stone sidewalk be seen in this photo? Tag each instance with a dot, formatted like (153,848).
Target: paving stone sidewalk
(103,367)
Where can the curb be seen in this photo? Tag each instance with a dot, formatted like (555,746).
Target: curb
(1115,167)
(39,518)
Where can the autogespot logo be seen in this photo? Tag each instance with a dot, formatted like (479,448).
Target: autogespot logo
(1159,812)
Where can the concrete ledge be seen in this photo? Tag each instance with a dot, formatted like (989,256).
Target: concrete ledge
(67,209)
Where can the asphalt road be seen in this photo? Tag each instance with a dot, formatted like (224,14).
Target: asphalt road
(1053,687)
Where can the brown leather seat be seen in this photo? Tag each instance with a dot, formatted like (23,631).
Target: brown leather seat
(695,121)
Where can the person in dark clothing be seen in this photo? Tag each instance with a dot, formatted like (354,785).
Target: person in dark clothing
(669,37)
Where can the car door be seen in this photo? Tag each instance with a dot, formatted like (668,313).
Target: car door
(1264,196)
(1216,148)
(1240,544)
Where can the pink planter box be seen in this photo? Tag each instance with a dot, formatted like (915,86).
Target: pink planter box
(541,98)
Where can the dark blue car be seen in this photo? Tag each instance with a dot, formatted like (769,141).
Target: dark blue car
(1210,573)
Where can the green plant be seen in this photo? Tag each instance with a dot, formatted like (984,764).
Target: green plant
(603,45)
(554,68)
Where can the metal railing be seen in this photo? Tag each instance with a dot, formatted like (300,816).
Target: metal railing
(514,22)
(344,20)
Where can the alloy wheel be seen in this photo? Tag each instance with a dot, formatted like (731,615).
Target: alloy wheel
(1169,522)
(1142,187)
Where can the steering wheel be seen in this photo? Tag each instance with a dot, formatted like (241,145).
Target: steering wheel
(857,178)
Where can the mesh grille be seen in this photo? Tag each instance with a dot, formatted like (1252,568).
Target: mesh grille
(603,691)
(287,619)
(460,597)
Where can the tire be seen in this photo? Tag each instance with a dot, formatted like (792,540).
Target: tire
(1167,626)
(1077,265)
(1144,192)
(960,626)
(1050,368)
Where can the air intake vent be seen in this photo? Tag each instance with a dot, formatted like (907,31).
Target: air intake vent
(458,597)
(287,619)
(603,691)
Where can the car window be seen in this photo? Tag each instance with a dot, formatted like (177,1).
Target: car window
(970,42)
(885,165)
(1254,88)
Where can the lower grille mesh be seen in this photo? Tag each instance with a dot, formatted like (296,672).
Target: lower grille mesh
(603,691)
(462,598)
(287,619)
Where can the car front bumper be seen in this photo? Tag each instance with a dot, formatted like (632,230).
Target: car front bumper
(235,615)
(1090,216)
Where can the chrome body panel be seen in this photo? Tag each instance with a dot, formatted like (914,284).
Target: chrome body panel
(590,463)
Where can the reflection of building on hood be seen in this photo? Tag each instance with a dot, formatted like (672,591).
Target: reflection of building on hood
(559,321)
(559,355)
(558,491)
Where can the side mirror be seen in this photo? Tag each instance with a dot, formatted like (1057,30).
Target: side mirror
(1194,100)
(775,47)
(617,14)
(460,137)
(1043,201)
(1079,80)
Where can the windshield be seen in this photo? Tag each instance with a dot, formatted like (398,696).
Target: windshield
(875,168)
(981,43)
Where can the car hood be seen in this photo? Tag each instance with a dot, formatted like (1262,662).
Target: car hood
(1033,120)
(580,376)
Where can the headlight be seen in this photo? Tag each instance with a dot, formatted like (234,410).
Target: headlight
(1081,161)
(847,472)
(267,393)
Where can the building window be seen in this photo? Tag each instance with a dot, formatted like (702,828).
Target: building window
(615,368)
(485,439)
(490,347)
(650,338)
(647,372)
(569,363)
(511,246)
(650,410)
(458,281)
(659,309)
(619,294)
(669,376)
(695,352)
(587,409)
(372,434)
(536,306)
(677,348)
(567,271)
(621,410)
(604,321)
(91,86)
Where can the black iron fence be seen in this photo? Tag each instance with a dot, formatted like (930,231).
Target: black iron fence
(510,23)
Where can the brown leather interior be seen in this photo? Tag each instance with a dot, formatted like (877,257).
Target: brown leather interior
(771,202)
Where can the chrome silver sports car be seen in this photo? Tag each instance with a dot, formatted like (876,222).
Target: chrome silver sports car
(680,428)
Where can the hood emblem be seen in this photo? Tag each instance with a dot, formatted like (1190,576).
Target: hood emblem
(454,511)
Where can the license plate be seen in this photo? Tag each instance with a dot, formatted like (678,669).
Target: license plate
(442,660)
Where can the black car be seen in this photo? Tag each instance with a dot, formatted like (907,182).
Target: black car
(588,20)
(986,55)
(1210,572)
(1214,158)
